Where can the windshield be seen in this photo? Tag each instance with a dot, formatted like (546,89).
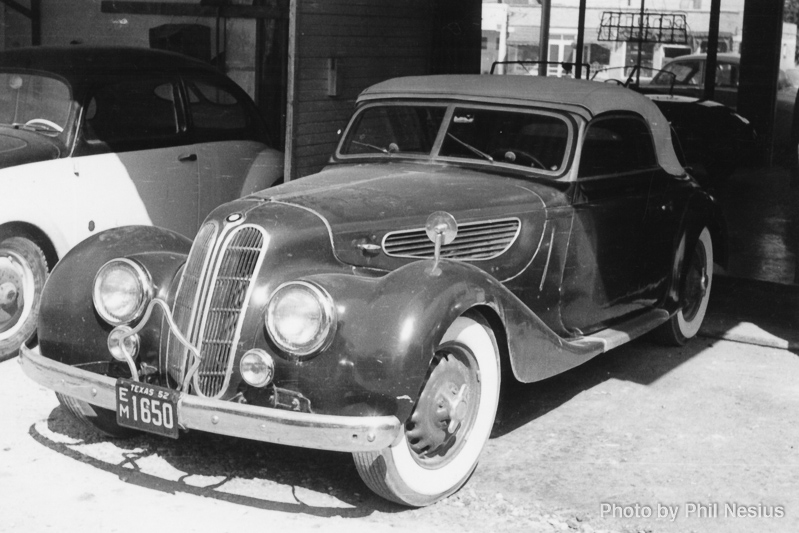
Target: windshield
(680,73)
(491,135)
(33,101)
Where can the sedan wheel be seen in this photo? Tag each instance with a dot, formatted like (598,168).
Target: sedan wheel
(23,270)
(449,426)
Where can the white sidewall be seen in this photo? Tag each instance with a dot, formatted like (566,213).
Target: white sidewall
(433,482)
(691,328)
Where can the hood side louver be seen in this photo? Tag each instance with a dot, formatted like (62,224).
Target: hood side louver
(476,241)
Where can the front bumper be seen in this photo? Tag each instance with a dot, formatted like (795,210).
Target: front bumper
(307,430)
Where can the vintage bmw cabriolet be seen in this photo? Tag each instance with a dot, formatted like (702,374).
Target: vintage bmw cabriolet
(468,230)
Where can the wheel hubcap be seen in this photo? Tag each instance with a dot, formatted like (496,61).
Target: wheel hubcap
(14,280)
(447,407)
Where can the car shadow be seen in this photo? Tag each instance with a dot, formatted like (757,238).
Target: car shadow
(315,482)
(641,361)
(254,474)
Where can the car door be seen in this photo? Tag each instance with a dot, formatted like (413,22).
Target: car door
(607,270)
(134,154)
(230,140)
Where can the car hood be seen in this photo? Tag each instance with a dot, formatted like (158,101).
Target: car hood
(19,147)
(362,204)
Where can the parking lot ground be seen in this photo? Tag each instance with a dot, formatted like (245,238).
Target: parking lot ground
(697,432)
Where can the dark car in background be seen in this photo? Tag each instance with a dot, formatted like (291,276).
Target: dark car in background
(685,75)
(469,230)
(93,138)
(711,139)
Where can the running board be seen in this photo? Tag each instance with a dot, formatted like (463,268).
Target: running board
(610,338)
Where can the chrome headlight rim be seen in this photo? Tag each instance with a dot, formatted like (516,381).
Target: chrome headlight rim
(329,323)
(146,289)
(245,368)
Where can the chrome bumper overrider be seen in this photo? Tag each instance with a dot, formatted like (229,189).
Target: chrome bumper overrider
(307,430)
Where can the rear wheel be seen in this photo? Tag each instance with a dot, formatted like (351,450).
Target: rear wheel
(23,271)
(449,426)
(694,295)
(103,420)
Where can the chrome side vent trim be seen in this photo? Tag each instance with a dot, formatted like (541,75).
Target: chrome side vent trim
(476,241)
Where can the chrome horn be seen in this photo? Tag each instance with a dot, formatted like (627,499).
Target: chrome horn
(442,229)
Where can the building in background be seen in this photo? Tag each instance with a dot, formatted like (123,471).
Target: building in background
(511,32)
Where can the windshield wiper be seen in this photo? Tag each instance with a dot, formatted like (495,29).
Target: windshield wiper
(471,148)
(372,146)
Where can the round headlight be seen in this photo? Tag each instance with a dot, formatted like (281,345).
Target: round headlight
(301,318)
(257,368)
(122,290)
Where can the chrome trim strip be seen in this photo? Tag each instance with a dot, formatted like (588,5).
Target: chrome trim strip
(535,254)
(307,430)
(549,256)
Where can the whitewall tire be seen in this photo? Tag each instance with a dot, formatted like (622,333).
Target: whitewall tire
(694,294)
(450,425)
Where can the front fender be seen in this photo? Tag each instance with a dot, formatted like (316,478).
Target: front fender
(389,328)
(69,329)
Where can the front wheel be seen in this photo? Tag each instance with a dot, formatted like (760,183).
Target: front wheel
(694,295)
(449,426)
(23,270)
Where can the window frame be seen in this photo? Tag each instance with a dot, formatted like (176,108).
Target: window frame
(89,146)
(434,155)
(629,115)
(253,130)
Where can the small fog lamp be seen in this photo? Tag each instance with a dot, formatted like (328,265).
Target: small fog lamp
(118,346)
(257,368)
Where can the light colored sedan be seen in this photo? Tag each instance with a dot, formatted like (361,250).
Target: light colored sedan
(94,138)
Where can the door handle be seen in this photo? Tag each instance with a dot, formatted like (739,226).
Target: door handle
(187,157)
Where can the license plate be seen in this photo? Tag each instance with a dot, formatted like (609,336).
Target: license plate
(147,407)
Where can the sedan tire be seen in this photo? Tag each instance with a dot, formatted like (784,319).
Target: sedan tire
(23,271)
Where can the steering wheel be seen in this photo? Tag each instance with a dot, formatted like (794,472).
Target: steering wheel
(44,122)
(614,80)
(517,157)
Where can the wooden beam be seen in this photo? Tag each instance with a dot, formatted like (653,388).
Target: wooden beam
(16,6)
(36,22)
(175,9)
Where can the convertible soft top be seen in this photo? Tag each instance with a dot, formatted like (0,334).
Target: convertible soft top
(587,98)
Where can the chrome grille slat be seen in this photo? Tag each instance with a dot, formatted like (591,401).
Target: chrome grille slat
(222,317)
(475,241)
(186,300)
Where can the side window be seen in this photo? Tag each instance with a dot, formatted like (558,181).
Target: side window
(616,145)
(132,114)
(726,75)
(216,112)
